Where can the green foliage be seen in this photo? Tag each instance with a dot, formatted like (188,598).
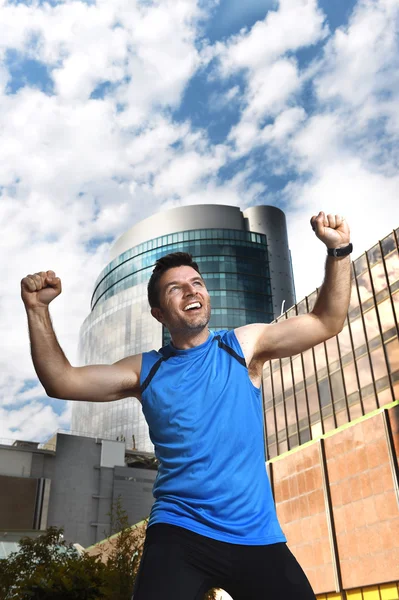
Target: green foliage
(47,568)
(124,558)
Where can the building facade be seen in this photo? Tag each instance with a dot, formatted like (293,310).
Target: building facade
(348,376)
(246,264)
(50,485)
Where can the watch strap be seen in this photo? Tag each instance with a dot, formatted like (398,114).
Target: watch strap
(338,252)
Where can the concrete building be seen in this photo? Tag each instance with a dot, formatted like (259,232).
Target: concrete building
(72,482)
(245,261)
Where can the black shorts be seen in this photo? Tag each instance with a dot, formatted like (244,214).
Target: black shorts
(178,564)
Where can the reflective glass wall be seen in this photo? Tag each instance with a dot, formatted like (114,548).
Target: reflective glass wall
(351,374)
(235,267)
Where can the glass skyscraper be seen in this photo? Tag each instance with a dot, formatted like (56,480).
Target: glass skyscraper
(351,374)
(245,261)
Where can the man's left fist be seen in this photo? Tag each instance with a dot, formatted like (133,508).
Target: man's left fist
(332,230)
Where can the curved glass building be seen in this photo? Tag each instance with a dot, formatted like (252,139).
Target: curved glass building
(245,261)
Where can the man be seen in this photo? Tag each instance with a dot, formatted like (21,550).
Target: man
(213,523)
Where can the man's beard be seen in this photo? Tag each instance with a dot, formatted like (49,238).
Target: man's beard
(198,325)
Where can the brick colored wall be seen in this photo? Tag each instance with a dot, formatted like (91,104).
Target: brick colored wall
(365,513)
(300,506)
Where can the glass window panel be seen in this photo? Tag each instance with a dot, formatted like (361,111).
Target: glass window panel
(308,363)
(392,265)
(354,301)
(371,323)
(297,368)
(341,417)
(313,399)
(385,397)
(386,315)
(329,424)
(312,301)
(378,277)
(277,381)
(267,389)
(332,350)
(301,405)
(270,423)
(320,356)
(291,414)
(302,308)
(272,449)
(358,333)
(280,417)
(282,447)
(344,341)
(369,404)
(355,411)
(337,385)
(364,285)
(360,264)
(317,430)
(388,244)
(364,371)
(304,435)
(374,255)
(287,377)
(324,392)
(395,299)
(379,363)
(393,355)
(350,378)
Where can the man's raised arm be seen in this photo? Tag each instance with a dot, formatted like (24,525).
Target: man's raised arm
(261,342)
(94,383)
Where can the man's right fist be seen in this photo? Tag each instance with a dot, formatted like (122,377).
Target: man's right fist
(40,289)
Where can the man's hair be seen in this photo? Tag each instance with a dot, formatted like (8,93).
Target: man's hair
(170,261)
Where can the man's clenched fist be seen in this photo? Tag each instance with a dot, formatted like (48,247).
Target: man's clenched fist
(40,289)
(332,230)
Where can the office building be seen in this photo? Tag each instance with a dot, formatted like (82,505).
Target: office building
(348,376)
(246,264)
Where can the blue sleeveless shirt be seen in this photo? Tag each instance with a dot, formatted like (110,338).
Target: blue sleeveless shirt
(205,421)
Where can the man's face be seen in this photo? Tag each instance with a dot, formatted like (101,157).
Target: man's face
(184,300)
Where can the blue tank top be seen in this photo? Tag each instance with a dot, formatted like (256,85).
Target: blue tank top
(205,421)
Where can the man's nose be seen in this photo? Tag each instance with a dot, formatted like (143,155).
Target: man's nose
(189,290)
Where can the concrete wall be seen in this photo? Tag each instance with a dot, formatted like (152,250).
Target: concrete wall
(17,463)
(337,501)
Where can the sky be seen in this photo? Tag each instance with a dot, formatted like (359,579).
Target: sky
(113,111)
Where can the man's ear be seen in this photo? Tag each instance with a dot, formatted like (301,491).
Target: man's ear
(157,314)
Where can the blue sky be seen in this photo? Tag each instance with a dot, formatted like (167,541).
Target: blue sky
(111,112)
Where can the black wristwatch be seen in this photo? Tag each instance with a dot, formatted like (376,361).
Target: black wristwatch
(338,252)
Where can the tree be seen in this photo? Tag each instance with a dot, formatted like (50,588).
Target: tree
(48,568)
(122,553)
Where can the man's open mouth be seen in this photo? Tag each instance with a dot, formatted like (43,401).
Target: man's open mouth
(193,306)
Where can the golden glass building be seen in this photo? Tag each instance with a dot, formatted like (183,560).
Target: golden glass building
(351,374)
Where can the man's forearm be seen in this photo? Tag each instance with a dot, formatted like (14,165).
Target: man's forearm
(333,300)
(51,364)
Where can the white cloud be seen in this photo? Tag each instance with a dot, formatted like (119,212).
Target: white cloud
(75,171)
(295,24)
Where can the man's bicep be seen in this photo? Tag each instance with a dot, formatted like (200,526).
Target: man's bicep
(288,337)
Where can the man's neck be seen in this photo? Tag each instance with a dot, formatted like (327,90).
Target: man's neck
(184,341)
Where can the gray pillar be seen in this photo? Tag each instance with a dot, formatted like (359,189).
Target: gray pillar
(271,221)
